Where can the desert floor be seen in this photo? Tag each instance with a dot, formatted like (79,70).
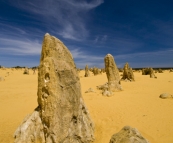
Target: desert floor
(138,105)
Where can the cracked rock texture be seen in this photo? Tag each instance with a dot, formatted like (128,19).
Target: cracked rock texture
(61,115)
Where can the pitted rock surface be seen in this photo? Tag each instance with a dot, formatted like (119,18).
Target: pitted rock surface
(62,114)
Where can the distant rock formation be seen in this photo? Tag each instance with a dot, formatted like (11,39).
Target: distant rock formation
(61,115)
(103,70)
(128,73)
(128,135)
(87,74)
(160,71)
(166,96)
(3,68)
(96,71)
(112,74)
(171,70)
(26,71)
(149,71)
(152,75)
(120,70)
(146,71)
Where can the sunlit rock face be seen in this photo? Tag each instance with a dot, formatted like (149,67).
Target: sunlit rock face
(112,74)
(61,116)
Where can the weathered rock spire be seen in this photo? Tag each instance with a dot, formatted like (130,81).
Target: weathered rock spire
(128,73)
(112,73)
(61,116)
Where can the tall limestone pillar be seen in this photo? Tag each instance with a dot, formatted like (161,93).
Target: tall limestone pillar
(61,115)
(112,74)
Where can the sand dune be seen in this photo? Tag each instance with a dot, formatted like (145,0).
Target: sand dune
(138,105)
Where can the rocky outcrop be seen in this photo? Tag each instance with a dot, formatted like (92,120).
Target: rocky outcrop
(87,74)
(112,74)
(113,77)
(105,89)
(146,71)
(103,70)
(152,75)
(128,135)
(149,71)
(160,71)
(96,71)
(128,73)
(31,130)
(61,116)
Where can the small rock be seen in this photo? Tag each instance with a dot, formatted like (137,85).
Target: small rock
(165,95)
(89,90)
(103,87)
(107,93)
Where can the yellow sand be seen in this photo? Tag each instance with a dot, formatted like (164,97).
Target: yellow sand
(138,105)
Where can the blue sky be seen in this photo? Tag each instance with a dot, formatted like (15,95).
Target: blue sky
(135,31)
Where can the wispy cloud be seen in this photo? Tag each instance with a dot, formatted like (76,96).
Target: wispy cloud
(71,21)
(66,18)
(83,58)
(100,39)
(78,54)
(85,5)
(153,59)
(19,47)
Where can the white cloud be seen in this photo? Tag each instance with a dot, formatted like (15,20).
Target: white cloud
(100,39)
(84,4)
(79,54)
(64,17)
(20,47)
